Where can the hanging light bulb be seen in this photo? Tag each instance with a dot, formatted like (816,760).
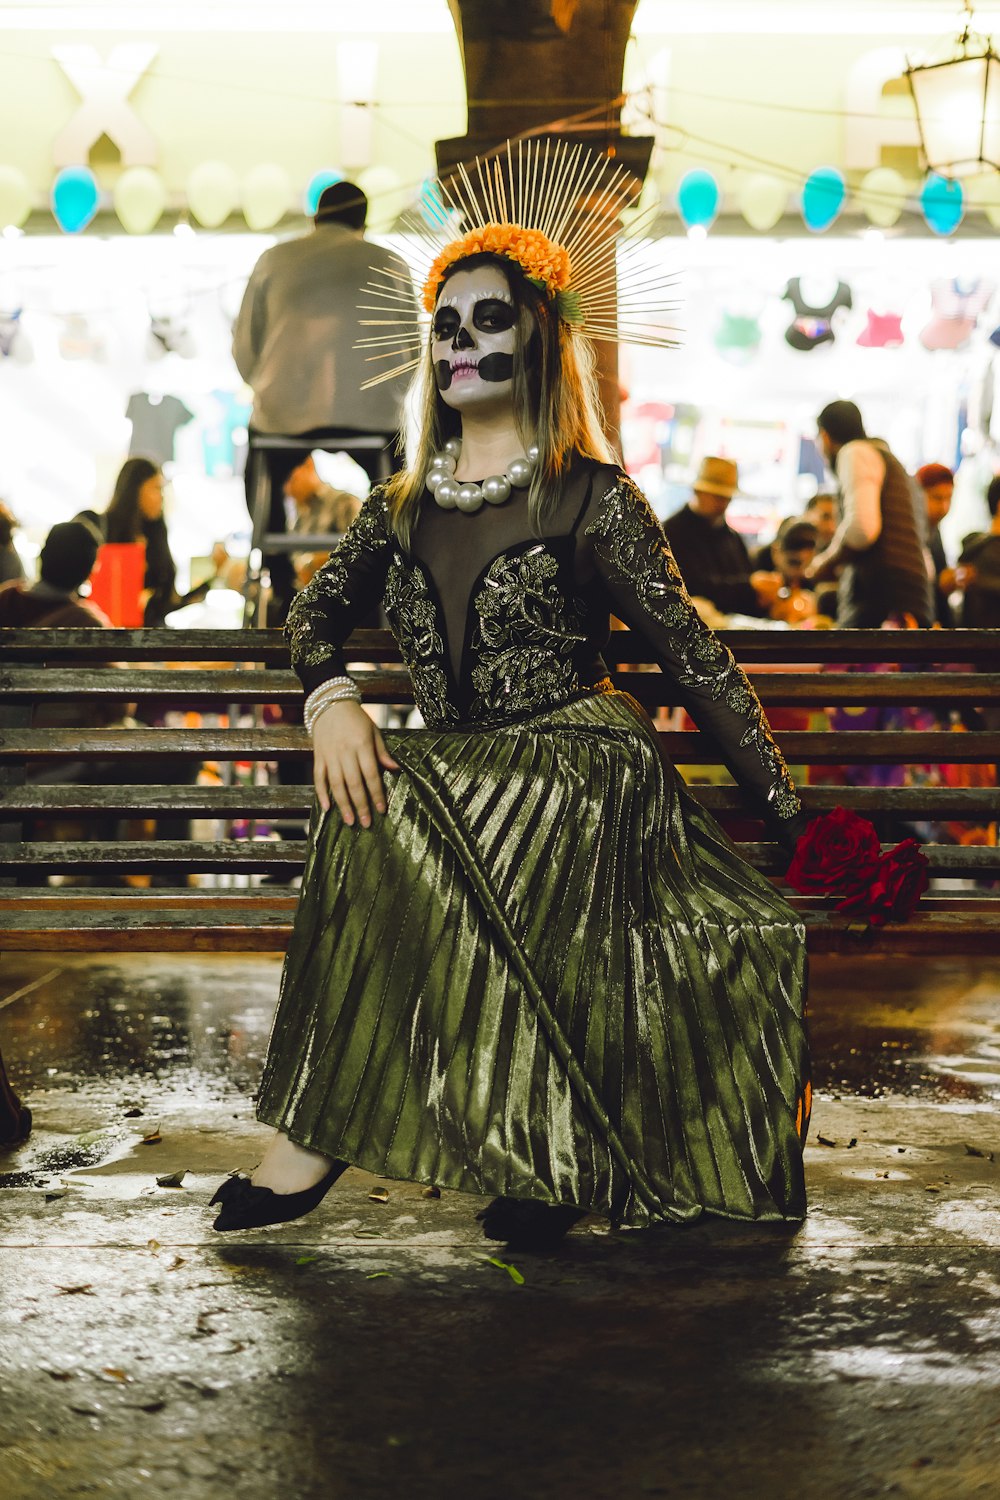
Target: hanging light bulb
(957,101)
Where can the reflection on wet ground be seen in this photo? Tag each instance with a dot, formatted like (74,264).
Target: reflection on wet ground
(200,1025)
(914,1030)
(383,1349)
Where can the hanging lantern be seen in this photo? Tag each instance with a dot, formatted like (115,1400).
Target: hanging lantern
(324,178)
(75,198)
(943,203)
(698,198)
(823,197)
(957,102)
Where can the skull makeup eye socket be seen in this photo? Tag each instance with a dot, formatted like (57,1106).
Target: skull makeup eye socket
(493,316)
(446,323)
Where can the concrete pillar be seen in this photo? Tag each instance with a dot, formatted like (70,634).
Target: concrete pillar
(552,68)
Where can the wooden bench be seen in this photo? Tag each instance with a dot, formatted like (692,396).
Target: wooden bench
(250,668)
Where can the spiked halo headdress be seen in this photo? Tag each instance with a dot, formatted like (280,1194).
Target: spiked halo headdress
(554,210)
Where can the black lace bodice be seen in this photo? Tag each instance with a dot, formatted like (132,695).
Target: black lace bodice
(495,624)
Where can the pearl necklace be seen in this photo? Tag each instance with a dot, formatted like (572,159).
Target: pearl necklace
(450,494)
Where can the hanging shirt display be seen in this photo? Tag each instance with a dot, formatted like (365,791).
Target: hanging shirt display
(882,331)
(155,420)
(813,322)
(956,304)
(737,337)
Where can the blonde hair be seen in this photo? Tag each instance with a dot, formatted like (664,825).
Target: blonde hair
(556,406)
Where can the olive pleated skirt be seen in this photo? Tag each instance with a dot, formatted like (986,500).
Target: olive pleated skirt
(545,972)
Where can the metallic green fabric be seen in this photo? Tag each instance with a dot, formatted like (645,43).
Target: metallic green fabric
(546,973)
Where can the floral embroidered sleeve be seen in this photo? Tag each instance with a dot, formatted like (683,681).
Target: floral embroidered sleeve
(647,592)
(337,597)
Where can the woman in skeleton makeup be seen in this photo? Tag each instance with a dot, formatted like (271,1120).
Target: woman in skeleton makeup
(526,963)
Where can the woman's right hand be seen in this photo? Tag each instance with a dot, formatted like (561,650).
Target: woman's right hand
(349,756)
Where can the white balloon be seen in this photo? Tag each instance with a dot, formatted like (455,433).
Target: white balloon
(140,197)
(386,200)
(763,200)
(881,194)
(15,197)
(267,195)
(984,194)
(212,193)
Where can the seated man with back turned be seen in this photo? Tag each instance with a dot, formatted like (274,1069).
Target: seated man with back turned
(712,557)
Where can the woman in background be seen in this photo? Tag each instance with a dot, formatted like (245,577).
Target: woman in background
(135,514)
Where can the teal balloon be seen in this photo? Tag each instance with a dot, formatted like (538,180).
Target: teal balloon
(698,198)
(823,197)
(75,198)
(431,201)
(324,178)
(943,203)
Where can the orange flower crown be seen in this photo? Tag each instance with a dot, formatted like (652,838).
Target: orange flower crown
(545,264)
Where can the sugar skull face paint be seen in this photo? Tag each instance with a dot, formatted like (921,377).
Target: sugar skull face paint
(473,338)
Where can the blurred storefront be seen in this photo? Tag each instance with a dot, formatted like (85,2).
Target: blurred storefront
(204,130)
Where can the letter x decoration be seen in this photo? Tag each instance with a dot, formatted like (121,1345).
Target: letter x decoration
(104,86)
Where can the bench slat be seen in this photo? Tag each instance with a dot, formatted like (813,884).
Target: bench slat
(238,927)
(231,856)
(221,687)
(788,646)
(809,747)
(224,856)
(237,801)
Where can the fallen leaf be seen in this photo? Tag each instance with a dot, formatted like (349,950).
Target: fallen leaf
(86,1288)
(512,1271)
(305,1260)
(130,1114)
(431,1192)
(152,1139)
(176,1263)
(113,1374)
(378,1195)
(172,1179)
(374,1275)
(60,1374)
(152,1245)
(824,1141)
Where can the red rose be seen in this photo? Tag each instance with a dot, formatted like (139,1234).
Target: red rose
(836,856)
(898,884)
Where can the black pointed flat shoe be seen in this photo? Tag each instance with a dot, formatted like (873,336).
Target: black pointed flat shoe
(16,1130)
(244,1206)
(525,1225)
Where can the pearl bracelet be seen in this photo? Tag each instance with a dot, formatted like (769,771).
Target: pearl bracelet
(334,690)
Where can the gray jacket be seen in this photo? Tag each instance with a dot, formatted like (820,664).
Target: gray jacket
(294,335)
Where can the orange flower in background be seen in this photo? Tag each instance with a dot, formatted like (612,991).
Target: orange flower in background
(538,258)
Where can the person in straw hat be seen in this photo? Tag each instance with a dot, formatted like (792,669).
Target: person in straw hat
(712,557)
(526,964)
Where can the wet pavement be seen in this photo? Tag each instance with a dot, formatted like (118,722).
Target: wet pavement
(376,1350)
